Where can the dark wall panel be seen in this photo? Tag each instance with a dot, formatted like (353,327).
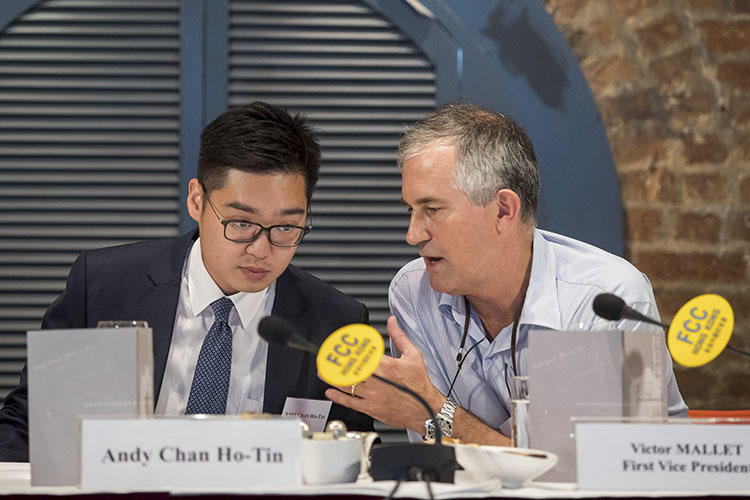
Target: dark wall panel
(89,118)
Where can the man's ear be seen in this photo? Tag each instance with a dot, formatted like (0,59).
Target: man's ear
(195,199)
(508,205)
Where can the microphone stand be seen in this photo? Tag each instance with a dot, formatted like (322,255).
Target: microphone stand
(403,388)
(413,461)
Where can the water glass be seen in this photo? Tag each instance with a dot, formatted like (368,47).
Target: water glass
(519,411)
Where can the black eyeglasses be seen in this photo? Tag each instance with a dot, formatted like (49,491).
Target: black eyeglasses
(242,231)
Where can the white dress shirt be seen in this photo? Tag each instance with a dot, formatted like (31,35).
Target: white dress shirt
(193,319)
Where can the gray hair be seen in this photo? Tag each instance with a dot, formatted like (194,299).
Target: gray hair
(492,153)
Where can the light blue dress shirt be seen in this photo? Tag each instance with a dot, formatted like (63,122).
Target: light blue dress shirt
(566,275)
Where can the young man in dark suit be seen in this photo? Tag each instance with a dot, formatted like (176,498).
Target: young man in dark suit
(203,294)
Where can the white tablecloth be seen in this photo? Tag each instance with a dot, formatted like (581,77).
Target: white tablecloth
(15,479)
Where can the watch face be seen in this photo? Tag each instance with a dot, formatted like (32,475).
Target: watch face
(429,429)
(446,427)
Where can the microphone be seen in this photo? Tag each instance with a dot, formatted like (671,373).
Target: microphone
(612,307)
(394,461)
(275,330)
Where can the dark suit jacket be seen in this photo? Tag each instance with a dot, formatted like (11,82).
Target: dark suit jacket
(141,281)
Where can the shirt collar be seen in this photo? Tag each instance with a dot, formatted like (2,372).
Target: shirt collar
(540,307)
(203,290)
(452,306)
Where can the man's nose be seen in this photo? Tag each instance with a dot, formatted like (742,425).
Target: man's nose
(261,247)
(416,233)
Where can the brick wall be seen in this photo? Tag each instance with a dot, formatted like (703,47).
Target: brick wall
(672,82)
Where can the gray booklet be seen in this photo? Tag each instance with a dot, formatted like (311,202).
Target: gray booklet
(92,371)
(590,374)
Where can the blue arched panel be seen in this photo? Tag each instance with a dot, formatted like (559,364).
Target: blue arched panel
(12,9)
(508,56)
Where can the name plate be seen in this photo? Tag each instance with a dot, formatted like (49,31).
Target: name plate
(622,456)
(163,453)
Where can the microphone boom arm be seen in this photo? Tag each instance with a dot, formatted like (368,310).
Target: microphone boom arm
(630,313)
(438,431)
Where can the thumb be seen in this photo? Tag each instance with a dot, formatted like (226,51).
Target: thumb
(399,339)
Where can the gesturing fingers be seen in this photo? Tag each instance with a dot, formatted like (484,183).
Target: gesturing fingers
(350,389)
(399,339)
(357,397)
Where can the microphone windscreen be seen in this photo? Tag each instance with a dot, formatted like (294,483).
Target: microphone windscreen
(275,330)
(609,306)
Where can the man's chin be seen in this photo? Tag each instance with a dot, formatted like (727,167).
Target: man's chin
(255,287)
(441,286)
(251,286)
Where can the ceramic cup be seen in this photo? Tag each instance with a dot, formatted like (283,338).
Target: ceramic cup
(330,461)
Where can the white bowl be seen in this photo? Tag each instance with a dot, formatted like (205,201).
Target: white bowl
(330,461)
(512,466)
(477,464)
(518,465)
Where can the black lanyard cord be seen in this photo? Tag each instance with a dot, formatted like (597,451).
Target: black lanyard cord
(467,317)
(460,364)
(513,346)
(513,335)
(460,357)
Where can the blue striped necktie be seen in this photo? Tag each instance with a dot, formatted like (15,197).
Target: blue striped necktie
(208,394)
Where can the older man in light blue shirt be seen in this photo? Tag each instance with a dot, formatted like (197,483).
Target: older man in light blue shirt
(566,275)
(486,277)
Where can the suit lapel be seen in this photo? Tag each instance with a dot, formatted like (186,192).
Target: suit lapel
(284,365)
(158,302)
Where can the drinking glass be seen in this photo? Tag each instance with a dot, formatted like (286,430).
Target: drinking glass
(519,411)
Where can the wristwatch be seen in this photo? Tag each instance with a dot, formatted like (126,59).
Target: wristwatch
(444,420)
